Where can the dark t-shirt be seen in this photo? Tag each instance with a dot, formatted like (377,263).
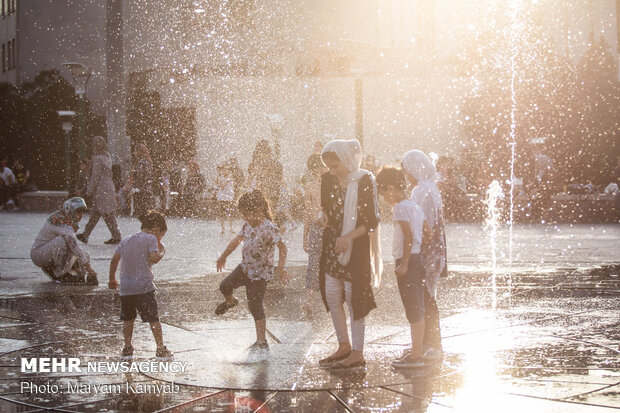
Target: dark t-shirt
(332,201)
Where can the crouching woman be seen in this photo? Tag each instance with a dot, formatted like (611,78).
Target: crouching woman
(56,250)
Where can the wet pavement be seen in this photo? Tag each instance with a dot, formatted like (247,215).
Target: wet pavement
(552,344)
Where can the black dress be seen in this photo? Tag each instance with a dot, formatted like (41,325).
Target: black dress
(358,270)
(143,180)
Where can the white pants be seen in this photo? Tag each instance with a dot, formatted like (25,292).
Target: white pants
(334,289)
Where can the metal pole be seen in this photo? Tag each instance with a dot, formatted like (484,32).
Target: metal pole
(118,141)
(359,112)
(82,126)
(68,161)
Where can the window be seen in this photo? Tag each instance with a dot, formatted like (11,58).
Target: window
(12,6)
(9,65)
(3,58)
(12,62)
(3,9)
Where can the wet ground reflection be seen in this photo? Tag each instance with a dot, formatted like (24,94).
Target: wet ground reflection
(552,347)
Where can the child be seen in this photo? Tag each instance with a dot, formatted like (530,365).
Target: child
(137,253)
(421,173)
(312,232)
(408,227)
(260,236)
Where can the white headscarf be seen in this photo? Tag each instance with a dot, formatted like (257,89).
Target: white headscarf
(349,152)
(426,194)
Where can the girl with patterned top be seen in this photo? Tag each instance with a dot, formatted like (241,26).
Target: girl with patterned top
(350,253)
(260,236)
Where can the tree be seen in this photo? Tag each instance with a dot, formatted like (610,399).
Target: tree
(31,129)
(13,120)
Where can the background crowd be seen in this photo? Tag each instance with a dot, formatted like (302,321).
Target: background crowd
(181,188)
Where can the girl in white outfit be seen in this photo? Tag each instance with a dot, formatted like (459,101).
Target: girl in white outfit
(421,173)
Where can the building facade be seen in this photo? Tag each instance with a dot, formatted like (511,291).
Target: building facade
(243,63)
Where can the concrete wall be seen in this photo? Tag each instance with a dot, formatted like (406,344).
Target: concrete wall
(400,113)
(407,102)
(51,32)
(8,32)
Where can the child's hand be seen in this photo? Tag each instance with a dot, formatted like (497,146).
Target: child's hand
(283,276)
(112,284)
(342,244)
(322,221)
(220,263)
(401,270)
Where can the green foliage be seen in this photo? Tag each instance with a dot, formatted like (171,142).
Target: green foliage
(31,130)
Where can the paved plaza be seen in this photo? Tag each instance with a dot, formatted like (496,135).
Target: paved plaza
(551,344)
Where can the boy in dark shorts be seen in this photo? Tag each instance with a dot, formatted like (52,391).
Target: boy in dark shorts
(410,232)
(136,254)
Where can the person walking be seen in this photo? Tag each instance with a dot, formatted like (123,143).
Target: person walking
(136,255)
(102,192)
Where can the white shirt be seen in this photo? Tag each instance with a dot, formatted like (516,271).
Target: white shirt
(409,211)
(7,176)
(259,245)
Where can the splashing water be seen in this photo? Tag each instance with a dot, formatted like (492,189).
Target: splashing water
(433,157)
(494,194)
(515,5)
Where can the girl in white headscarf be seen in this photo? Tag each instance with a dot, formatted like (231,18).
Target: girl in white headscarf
(350,253)
(421,173)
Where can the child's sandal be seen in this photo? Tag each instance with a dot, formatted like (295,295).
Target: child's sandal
(224,307)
